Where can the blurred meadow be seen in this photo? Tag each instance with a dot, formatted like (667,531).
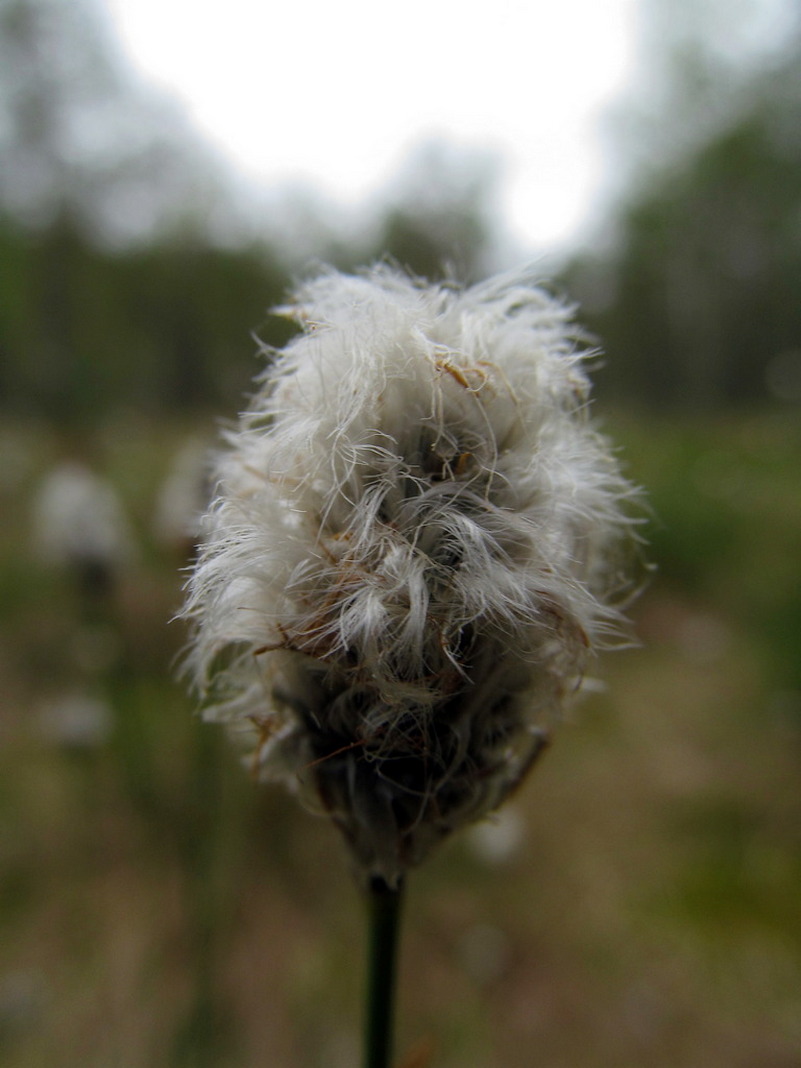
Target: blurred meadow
(638,901)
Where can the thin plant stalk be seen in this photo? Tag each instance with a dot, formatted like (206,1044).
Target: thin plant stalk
(384,905)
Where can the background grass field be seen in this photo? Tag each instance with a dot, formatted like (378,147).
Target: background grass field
(638,904)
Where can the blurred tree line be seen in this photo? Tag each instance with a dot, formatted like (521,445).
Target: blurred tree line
(127,279)
(696,290)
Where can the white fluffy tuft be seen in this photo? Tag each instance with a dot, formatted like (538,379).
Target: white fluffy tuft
(416,541)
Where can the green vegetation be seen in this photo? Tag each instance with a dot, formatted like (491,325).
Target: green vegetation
(158,909)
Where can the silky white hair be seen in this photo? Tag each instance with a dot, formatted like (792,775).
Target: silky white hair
(417,539)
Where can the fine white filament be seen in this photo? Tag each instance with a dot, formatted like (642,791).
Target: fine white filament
(416,541)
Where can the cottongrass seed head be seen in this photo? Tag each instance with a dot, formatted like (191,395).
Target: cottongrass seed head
(418,538)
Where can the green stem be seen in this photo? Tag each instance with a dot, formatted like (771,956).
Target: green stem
(384,911)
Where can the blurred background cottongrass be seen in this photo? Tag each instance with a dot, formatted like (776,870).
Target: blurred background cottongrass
(639,901)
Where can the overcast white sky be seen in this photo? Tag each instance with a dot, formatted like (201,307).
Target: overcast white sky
(335,94)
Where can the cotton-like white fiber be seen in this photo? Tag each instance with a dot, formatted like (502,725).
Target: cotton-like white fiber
(417,539)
